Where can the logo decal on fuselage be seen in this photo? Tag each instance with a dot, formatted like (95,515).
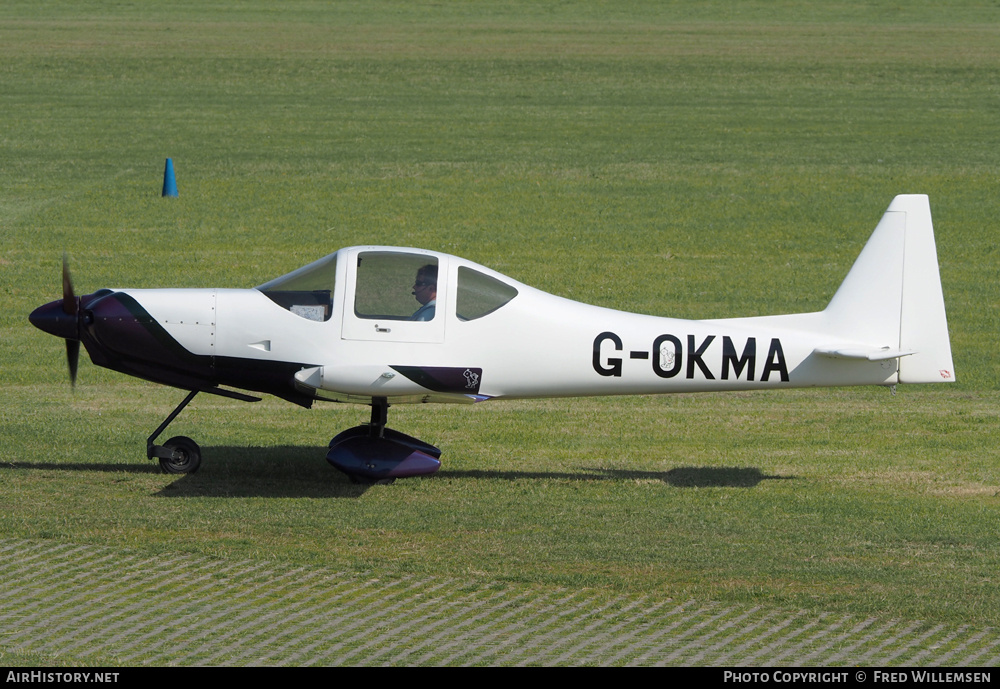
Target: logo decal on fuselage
(701,360)
(472,379)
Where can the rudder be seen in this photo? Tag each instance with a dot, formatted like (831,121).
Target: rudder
(923,323)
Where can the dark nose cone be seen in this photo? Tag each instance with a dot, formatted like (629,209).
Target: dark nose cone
(55,321)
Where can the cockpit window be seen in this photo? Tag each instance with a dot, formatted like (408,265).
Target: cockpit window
(306,292)
(396,286)
(480,295)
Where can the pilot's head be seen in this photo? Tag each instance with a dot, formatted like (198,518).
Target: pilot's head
(425,286)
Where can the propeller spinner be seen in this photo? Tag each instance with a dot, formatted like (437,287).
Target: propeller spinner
(62,319)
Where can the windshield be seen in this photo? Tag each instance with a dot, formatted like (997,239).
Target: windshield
(306,292)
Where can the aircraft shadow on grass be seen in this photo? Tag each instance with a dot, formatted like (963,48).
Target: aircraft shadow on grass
(293,472)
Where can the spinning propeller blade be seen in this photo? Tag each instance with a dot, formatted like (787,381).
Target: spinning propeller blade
(62,319)
(70,307)
(73,359)
(69,302)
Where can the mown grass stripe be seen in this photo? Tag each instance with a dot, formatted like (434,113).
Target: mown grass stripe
(129,626)
(202,611)
(874,642)
(449,612)
(623,635)
(228,616)
(391,621)
(772,652)
(335,627)
(52,578)
(591,630)
(306,618)
(207,613)
(857,649)
(135,620)
(491,644)
(126,621)
(261,627)
(313,636)
(259,633)
(689,623)
(982,658)
(497,611)
(733,648)
(653,638)
(48,606)
(405,622)
(827,651)
(451,626)
(53,572)
(23,560)
(908,645)
(123,580)
(709,633)
(487,634)
(96,608)
(560,636)
(960,644)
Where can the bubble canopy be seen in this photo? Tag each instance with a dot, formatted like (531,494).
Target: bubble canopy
(384,282)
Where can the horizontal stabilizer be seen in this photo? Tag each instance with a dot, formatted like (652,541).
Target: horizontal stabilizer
(882,354)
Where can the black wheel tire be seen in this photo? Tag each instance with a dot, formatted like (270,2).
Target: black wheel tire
(190,458)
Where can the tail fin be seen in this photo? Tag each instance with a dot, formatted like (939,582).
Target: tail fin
(892,297)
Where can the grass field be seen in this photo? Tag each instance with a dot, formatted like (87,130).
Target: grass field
(698,160)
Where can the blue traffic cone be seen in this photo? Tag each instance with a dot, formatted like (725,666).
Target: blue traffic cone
(169,182)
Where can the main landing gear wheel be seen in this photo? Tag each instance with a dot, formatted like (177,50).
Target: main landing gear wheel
(371,454)
(186,456)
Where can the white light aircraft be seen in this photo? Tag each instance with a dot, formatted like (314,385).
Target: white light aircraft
(346,328)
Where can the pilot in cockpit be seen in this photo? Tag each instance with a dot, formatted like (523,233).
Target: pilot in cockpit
(425,292)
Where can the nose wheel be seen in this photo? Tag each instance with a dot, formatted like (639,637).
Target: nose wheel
(185,456)
(180,454)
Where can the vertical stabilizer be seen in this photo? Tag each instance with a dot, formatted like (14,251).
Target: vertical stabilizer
(868,303)
(892,297)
